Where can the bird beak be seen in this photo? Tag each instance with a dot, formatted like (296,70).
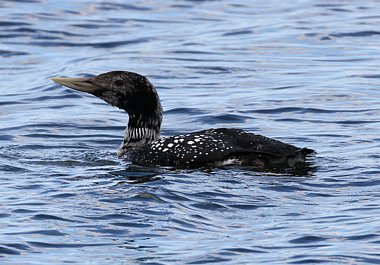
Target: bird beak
(80,84)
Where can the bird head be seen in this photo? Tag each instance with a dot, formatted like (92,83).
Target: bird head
(129,91)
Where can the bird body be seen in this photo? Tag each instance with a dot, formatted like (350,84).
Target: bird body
(142,144)
(218,147)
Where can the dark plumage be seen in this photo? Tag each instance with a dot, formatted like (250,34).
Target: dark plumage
(213,147)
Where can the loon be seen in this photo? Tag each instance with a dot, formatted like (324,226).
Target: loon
(143,146)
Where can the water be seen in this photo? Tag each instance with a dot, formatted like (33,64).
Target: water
(305,72)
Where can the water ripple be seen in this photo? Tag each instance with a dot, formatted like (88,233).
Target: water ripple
(8,251)
(4,53)
(356,34)
(104,45)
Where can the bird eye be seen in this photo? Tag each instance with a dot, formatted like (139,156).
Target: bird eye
(119,82)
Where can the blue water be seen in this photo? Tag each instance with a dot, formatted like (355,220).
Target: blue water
(305,72)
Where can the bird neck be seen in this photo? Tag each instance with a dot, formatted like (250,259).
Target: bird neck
(142,128)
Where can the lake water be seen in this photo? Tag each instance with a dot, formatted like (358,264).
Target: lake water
(305,72)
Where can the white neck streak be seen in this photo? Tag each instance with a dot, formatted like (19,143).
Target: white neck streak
(141,131)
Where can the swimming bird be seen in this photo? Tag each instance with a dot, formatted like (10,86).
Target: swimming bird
(142,144)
